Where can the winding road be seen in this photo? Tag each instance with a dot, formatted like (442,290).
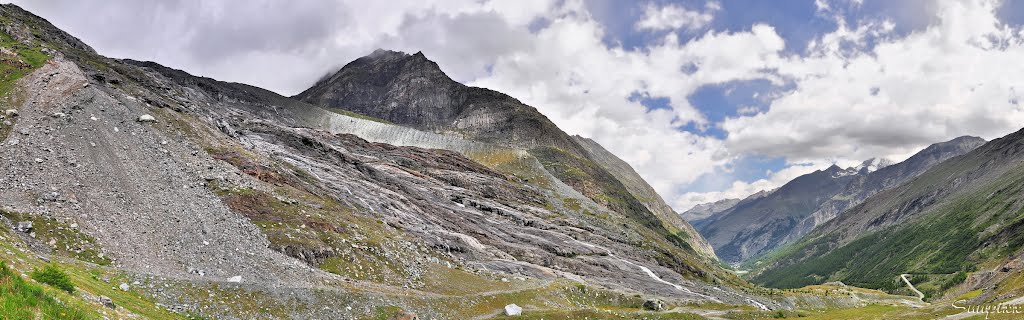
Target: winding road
(907,281)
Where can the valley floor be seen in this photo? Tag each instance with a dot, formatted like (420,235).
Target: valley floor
(138,296)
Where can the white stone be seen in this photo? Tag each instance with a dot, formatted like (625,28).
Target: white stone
(11,113)
(124,286)
(235,279)
(513,310)
(146,118)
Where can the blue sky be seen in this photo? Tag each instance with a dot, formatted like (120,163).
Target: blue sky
(797,22)
(705,99)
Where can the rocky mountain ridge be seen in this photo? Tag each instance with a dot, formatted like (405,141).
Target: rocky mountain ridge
(759,225)
(705,210)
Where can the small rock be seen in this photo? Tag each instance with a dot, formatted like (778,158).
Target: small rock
(107,302)
(24,226)
(146,118)
(407,316)
(235,279)
(124,286)
(51,197)
(38,160)
(654,305)
(58,115)
(513,310)
(504,279)
(52,242)
(11,113)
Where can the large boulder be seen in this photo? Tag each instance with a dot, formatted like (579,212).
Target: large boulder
(654,305)
(146,118)
(513,310)
(107,302)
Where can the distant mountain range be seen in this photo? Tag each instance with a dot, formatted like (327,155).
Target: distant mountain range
(957,226)
(767,220)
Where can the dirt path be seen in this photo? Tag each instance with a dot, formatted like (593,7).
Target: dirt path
(907,281)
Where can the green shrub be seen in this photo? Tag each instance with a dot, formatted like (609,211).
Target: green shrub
(958,278)
(54,277)
(20,299)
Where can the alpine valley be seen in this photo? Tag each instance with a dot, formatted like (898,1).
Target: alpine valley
(387,190)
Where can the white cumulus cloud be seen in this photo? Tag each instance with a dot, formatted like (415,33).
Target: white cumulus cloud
(674,16)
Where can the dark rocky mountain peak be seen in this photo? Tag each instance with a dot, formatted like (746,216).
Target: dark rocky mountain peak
(411,90)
